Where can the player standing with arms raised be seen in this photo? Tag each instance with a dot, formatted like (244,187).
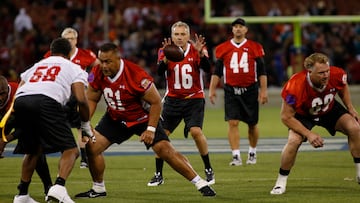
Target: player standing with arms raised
(184,97)
(308,101)
(240,61)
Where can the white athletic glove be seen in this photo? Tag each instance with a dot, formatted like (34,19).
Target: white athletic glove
(87,131)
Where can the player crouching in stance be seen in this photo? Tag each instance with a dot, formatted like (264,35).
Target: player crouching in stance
(309,100)
(124,86)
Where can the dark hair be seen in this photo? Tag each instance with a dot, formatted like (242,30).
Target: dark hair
(109,47)
(60,46)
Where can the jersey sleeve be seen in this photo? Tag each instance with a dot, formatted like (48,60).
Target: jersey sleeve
(94,77)
(219,51)
(140,80)
(292,90)
(81,76)
(258,50)
(92,56)
(161,55)
(340,75)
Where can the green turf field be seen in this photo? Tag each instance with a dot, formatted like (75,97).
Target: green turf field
(318,176)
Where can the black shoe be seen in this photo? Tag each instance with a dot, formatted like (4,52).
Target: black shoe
(90,194)
(156,180)
(210,176)
(207,191)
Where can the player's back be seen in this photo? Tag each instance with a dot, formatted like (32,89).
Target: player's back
(52,77)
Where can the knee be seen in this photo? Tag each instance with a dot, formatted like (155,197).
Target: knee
(164,149)
(233,123)
(76,153)
(196,132)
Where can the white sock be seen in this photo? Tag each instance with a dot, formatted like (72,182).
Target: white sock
(236,152)
(99,187)
(357,166)
(281,180)
(200,184)
(252,150)
(196,179)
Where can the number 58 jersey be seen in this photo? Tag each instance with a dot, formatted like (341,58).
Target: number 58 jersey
(52,77)
(239,61)
(311,101)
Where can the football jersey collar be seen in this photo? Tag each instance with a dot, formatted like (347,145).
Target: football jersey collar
(187,49)
(118,74)
(75,53)
(312,85)
(238,45)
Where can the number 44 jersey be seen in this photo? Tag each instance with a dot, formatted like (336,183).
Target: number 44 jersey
(239,61)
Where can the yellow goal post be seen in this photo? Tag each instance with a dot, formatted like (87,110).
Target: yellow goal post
(295,20)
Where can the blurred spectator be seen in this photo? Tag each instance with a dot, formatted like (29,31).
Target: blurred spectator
(139,27)
(23,21)
(274,10)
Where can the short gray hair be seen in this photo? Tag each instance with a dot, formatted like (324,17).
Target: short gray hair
(69,30)
(180,24)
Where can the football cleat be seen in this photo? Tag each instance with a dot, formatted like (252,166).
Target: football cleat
(24,199)
(207,191)
(58,193)
(83,164)
(251,158)
(210,176)
(90,194)
(236,161)
(278,190)
(156,180)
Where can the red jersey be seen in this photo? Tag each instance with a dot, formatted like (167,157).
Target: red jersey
(184,79)
(82,57)
(239,61)
(12,89)
(309,101)
(123,93)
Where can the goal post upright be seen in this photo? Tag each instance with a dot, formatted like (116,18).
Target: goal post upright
(295,20)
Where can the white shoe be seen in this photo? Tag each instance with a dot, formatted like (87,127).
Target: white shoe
(59,193)
(251,158)
(236,161)
(24,199)
(278,190)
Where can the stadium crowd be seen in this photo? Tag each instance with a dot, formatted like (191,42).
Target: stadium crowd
(28,27)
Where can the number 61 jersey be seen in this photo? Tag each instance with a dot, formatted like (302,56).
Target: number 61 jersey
(123,93)
(311,101)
